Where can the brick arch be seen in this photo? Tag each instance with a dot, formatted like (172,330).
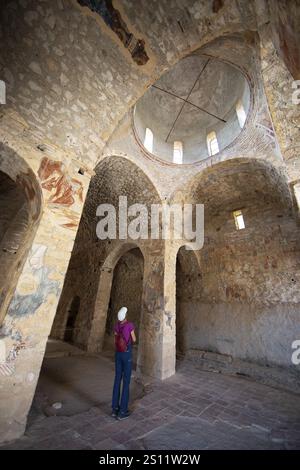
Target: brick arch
(97,331)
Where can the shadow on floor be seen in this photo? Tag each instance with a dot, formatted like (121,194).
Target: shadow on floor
(76,381)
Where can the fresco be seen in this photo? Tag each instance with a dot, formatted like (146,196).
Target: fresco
(114,21)
(62,187)
(26,304)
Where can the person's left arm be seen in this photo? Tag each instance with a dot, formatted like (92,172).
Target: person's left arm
(133,337)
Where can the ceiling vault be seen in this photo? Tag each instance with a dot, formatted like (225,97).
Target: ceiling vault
(188,102)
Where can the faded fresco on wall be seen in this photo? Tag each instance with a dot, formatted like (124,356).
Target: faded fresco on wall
(55,179)
(65,192)
(27,303)
(114,21)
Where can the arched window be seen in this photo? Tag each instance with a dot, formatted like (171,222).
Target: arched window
(212,143)
(2,92)
(148,141)
(177,152)
(241,114)
(239,220)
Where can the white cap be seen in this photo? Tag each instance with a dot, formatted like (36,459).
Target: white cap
(122,313)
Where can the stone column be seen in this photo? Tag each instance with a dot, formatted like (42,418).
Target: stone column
(156,357)
(96,337)
(169,320)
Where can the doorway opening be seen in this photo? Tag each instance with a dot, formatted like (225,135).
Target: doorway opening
(71,321)
(188,295)
(126,291)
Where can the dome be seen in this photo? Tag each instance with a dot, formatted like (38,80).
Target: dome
(198,108)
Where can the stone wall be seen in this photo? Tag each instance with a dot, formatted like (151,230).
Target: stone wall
(252,174)
(286,34)
(115,176)
(35,277)
(14,214)
(69,76)
(69,82)
(246,301)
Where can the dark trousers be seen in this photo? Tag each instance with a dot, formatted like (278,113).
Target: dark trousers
(123,361)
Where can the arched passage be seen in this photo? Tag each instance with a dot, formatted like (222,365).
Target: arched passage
(20,208)
(93,260)
(245,305)
(121,284)
(126,290)
(71,321)
(188,294)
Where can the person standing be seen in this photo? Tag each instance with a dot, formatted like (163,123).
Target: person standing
(124,337)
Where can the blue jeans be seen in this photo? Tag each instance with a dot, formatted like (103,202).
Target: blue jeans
(123,361)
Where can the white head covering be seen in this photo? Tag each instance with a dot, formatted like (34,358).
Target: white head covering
(122,313)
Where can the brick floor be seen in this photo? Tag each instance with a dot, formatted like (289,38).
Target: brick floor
(192,410)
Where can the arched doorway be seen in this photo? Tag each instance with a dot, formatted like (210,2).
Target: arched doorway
(93,261)
(126,290)
(188,294)
(71,321)
(244,308)
(79,380)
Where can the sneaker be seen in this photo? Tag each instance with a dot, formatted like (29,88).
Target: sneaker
(122,416)
(114,413)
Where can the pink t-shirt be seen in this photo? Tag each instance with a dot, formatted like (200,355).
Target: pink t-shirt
(126,329)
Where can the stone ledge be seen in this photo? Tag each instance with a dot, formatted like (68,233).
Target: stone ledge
(274,376)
